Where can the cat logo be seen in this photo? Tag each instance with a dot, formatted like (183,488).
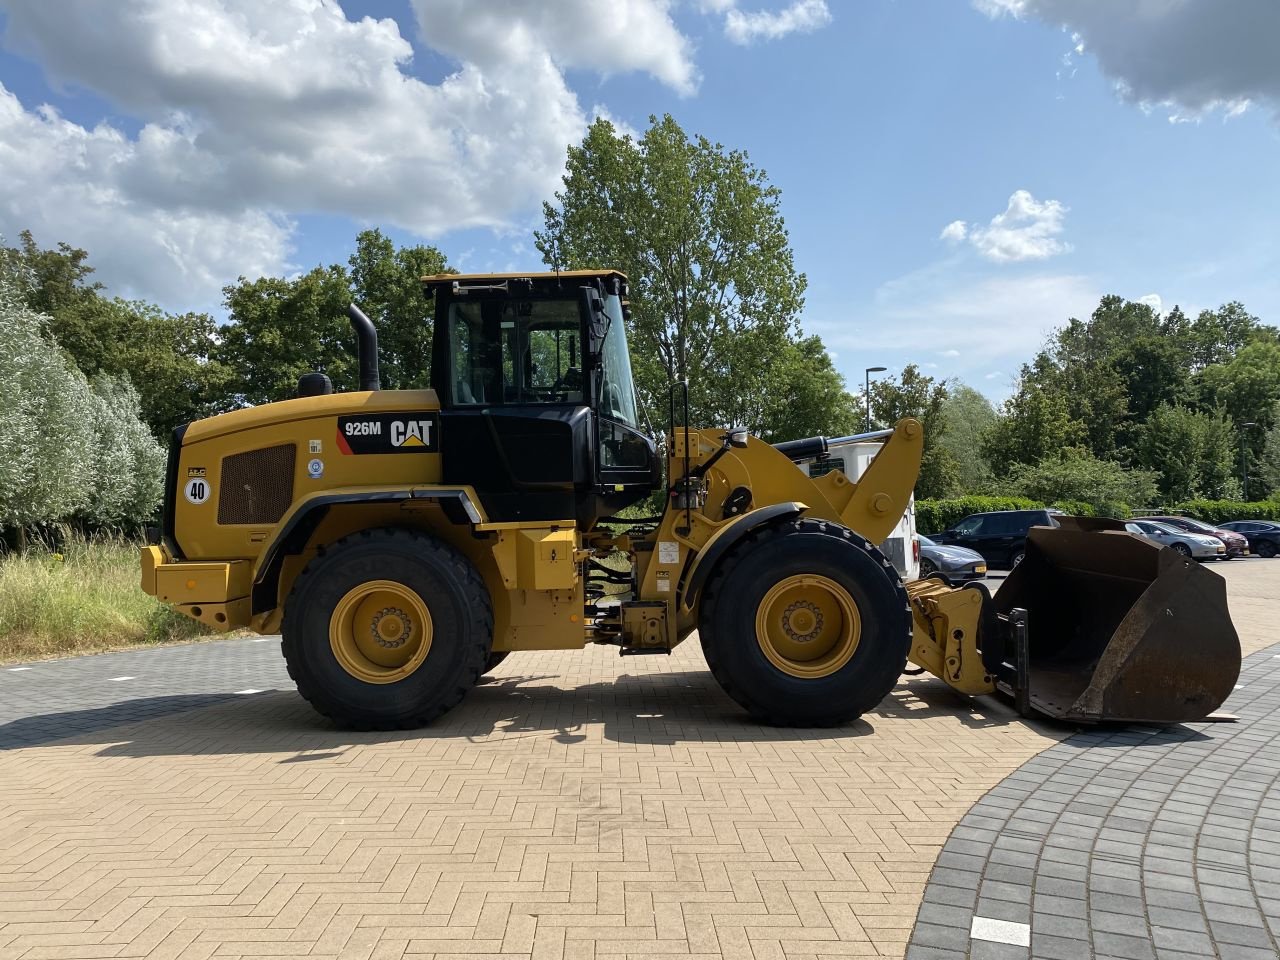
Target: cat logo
(411,433)
(400,432)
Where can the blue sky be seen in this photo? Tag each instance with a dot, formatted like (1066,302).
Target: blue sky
(1127,148)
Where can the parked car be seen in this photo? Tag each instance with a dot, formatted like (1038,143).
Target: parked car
(1001,537)
(1197,545)
(1237,545)
(954,564)
(1263,535)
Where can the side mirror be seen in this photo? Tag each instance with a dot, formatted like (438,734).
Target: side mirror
(597,319)
(737,437)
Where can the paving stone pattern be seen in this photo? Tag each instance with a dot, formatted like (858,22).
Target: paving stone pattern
(49,700)
(1138,843)
(576,805)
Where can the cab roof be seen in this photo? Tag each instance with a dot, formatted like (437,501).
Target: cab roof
(439,279)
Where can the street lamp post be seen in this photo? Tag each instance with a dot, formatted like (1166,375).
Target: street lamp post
(867,393)
(1244,463)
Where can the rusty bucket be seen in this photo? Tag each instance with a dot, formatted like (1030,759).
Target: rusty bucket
(1115,628)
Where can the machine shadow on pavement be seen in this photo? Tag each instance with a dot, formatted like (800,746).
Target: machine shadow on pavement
(661,708)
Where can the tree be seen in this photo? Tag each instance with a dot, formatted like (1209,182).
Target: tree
(1035,423)
(1247,386)
(128,464)
(279,329)
(46,424)
(967,415)
(699,231)
(805,396)
(1269,463)
(915,395)
(1190,451)
(1077,475)
(387,284)
(165,356)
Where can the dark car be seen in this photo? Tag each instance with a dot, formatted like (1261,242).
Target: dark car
(953,564)
(1263,535)
(1236,544)
(1000,537)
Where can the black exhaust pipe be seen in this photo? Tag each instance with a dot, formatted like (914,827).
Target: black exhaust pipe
(367,338)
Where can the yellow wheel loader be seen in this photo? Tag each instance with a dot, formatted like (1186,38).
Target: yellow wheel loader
(402,542)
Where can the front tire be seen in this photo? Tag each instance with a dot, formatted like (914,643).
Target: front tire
(806,624)
(927,569)
(387,629)
(1183,549)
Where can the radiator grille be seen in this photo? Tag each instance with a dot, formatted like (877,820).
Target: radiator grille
(257,487)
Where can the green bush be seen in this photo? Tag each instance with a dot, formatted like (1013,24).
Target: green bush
(1220,511)
(1078,508)
(934,516)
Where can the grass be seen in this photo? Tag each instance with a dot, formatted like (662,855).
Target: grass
(83,600)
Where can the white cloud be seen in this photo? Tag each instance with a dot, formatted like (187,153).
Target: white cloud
(980,323)
(802,16)
(954,232)
(253,112)
(1154,301)
(1189,57)
(1028,229)
(64,182)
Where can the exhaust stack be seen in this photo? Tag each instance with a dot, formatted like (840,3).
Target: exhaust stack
(367,338)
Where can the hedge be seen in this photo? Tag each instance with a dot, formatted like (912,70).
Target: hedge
(934,516)
(1220,511)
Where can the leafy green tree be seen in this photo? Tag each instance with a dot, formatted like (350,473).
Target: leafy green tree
(46,423)
(912,394)
(805,396)
(967,415)
(128,464)
(1190,451)
(1218,335)
(1035,423)
(1247,386)
(1077,475)
(386,282)
(1268,470)
(165,356)
(699,231)
(279,329)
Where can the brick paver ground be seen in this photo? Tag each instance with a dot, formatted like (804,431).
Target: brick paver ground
(577,805)
(1129,842)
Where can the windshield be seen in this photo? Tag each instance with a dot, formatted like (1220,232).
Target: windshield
(516,351)
(618,399)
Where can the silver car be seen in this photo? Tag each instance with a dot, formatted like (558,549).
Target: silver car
(1194,545)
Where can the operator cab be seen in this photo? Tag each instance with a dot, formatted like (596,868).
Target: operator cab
(537,398)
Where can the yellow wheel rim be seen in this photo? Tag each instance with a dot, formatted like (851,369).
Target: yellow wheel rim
(380,631)
(808,626)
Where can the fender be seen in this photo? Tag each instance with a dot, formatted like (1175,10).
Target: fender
(302,521)
(725,539)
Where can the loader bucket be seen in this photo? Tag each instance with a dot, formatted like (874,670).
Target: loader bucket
(1117,628)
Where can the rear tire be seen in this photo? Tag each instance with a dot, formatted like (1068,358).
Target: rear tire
(495,658)
(805,583)
(1017,559)
(1266,549)
(387,629)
